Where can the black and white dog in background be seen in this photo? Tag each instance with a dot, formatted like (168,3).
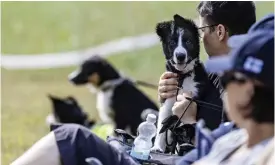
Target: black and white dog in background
(119,101)
(180,43)
(67,110)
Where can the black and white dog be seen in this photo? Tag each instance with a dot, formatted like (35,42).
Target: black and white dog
(67,110)
(181,47)
(119,102)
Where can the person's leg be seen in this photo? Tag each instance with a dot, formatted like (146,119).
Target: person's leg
(71,144)
(43,152)
(76,143)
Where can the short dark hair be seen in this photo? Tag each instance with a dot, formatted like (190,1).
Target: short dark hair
(236,16)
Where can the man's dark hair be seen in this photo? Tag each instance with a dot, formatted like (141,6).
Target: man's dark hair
(236,16)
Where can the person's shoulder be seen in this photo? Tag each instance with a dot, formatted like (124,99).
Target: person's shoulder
(226,143)
(223,129)
(232,137)
(229,140)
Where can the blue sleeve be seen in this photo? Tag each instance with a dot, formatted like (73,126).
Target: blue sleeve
(192,156)
(189,158)
(223,129)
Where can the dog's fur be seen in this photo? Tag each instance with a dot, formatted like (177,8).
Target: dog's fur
(118,100)
(180,43)
(67,110)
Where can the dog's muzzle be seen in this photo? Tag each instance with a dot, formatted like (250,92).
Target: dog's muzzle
(77,78)
(180,57)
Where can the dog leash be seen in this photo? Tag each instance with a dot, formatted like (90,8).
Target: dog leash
(146,84)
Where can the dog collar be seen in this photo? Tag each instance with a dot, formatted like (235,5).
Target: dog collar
(182,76)
(111,84)
(169,66)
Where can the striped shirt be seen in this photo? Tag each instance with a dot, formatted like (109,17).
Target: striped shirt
(215,79)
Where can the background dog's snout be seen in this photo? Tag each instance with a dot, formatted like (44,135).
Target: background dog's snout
(180,56)
(77,78)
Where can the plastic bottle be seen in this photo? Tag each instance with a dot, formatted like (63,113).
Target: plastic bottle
(143,143)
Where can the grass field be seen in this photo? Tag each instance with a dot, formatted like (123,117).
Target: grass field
(38,27)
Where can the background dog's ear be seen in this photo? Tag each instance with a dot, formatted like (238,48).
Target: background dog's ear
(97,56)
(72,99)
(50,96)
(93,57)
(163,29)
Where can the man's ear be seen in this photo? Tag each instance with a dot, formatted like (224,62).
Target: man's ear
(221,32)
(163,29)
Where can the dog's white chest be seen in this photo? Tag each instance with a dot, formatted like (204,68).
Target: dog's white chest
(104,101)
(189,85)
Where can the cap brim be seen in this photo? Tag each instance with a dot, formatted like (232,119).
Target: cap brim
(237,40)
(219,64)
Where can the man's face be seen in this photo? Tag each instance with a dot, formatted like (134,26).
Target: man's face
(211,41)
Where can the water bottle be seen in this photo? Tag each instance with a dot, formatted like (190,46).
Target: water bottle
(143,143)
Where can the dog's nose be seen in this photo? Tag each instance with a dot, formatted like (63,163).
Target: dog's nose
(180,56)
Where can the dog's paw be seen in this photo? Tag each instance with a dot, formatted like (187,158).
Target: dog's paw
(157,149)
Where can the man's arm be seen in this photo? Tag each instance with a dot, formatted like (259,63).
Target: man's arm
(180,106)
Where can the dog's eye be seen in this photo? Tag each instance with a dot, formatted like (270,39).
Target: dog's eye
(172,42)
(188,42)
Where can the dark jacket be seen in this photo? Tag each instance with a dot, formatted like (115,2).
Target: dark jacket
(213,117)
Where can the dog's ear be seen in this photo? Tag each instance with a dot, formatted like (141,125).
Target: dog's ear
(94,57)
(179,20)
(52,97)
(72,99)
(97,56)
(163,29)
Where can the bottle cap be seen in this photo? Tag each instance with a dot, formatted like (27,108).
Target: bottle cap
(151,118)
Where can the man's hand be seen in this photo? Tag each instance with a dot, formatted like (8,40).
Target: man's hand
(167,86)
(190,115)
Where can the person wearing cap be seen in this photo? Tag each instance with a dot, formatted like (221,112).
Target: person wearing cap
(218,21)
(265,23)
(248,80)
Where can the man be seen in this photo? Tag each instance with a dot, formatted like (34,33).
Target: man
(218,21)
(248,80)
(266,23)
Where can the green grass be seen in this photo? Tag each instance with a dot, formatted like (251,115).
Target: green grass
(59,26)
(38,27)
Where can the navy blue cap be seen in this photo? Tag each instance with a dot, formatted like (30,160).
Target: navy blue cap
(254,58)
(266,23)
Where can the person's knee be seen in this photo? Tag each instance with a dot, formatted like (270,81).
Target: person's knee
(73,130)
(76,143)
(43,152)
